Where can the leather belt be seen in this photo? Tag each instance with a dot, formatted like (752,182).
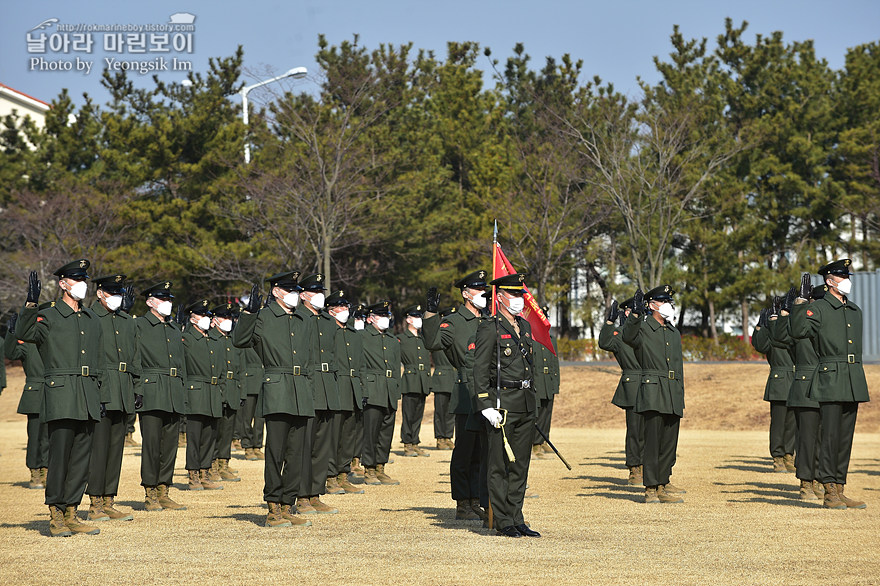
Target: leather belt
(516,384)
(670,374)
(295,370)
(169,371)
(80,371)
(214,380)
(848,358)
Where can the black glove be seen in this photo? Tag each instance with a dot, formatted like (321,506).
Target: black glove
(138,401)
(764,318)
(622,318)
(255,301)
(612,313)
(364,403)
(639,301)
(10,324)
(788,301)
(127,299)
(103,410)
(34,287)
(806,286)
(241,402)
(777,305)
(181,316)
(432,303)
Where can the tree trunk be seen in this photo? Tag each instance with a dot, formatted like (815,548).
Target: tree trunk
(712,322)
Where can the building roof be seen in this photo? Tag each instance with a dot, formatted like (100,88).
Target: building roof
(23,98)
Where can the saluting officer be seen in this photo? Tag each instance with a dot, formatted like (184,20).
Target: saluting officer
(160,396)
(232,396)
(660,400)
(443,381)
(834,324)
(68,337)
(252,424)
(119,366)
(380,378)
(546,388)
(503,375)
(415,384)
(452,334)
(611,339)
(283,340)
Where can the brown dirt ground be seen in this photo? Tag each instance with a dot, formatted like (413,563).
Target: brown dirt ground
(740,523)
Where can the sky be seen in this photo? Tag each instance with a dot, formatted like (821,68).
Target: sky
(615,40)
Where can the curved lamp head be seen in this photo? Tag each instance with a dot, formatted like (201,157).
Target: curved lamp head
(297,72)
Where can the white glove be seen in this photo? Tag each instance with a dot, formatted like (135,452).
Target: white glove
(493,416)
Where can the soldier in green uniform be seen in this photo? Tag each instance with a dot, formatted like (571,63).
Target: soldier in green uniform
(453,334)
(611,339)
(834,324)
(68,337)
(119,367)
(231,392)
(37,453)
(251,423)
(806,410)
(283,341)
(503,375)
(203,396)
(415,383)
(660,400)
(358,322)
(546,388)
(380,378)
(782,423)
(443,381)
(160,396)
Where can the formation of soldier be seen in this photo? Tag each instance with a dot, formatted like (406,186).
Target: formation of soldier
(324,377)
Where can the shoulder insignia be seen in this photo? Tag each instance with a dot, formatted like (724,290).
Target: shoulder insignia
(20,342)
(810,312)
(528,335)
(472,346)
(40,318)
(444,325)
(616,332)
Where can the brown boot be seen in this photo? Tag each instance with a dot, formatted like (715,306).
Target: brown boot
(194,482)
(249,454)
(296,520)
(464,511)
(181,440)
(370,476)
(480,511)
(74,524)
(672,489)
(36,481)
(207,483)
(304,507)
(778,464)
(166,501)
(96,509)
(547,449)
(651,496)
(819,489)
(408,451)
(57,526)
(43,473)
(420,451)
(831,500)
(384,478)
(357,471)
(236,445)
(788,462)
(214,471)
(346,486)
(321,507)
(130,441)
(151,499)
(259,454)
(537,452)
(226,473)
(635,476)
(850,503)
(114,513)
(667,497)
(332,486)
(275,518)
(806,493)
(441,443)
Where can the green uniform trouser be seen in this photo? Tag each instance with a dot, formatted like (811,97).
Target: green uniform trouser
(378,433)
(783,429)
(507,480)
(358,434)
(661,440)
(225,424)
(285,446)
(321,442)
(635,437)
(201,441)
(444,421)
(159,431)
(108,441)
(130,420)
(464,465)
(37,455)
(251,432)
(412,408)
(809,424)
(545,414)
(70,444)
(835,447)
(347,444)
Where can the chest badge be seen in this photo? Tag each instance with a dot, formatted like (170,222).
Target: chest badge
(508,351)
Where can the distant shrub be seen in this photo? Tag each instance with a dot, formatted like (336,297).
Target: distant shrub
(582,350)
(729,348)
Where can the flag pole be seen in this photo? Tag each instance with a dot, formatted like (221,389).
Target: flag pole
(494,268)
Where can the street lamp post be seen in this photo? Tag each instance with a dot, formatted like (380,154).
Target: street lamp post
(296,73)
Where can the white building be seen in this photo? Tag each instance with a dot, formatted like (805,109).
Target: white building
(22,106)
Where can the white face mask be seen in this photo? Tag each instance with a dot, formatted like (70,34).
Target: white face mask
(358,324)
(844,287)
(479,300)
(342,316)
(516,305)
(204,323)
(383,322)
(164,308)
(291,300)
(317,300)
(225,325)
(113,302)
(666,311)
(417,323)
(78,290)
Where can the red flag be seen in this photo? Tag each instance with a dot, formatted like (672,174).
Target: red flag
(532,311)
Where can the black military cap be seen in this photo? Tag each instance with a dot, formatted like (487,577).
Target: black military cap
(381,308)
(414,310)
(76,269)
(360,311)
(229,310)
(627,304)
(159,290)
(336,299)
(837,267)
(510,283)
(473,280)
(313,282)
(200,307)
(818,292)
(286,280)
(660,293)
(111,283)
(448,311)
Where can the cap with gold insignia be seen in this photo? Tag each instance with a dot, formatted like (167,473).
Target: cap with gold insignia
(228,309)
(627,304)
(414,310)
(818,292)
(381,308)
(510,283)
(286,280)
(838,267)
(76,269)
(112,284)
(660,293)
(448,311)
(360,311)
(313,282)
(159,290)
(336,299)
(474,280)
(200,307)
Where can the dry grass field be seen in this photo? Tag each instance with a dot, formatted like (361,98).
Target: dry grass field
(739,524)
